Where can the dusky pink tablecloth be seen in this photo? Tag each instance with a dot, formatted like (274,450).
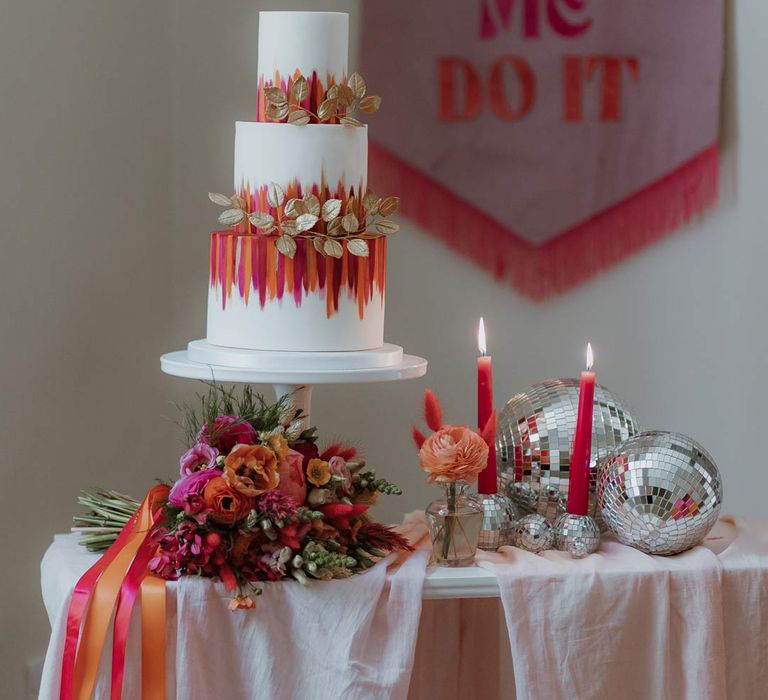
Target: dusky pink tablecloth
(618,624)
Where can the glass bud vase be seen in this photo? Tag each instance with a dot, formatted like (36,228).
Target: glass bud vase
(454,525)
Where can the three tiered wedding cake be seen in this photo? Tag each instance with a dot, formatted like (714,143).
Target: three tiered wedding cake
(303,266)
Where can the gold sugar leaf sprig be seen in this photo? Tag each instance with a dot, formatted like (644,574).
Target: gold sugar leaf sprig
(326,224)
(339,102)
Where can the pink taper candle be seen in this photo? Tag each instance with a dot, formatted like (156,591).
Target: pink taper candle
(486,482)
(578,481)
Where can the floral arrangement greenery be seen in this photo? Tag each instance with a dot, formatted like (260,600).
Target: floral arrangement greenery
(256,500)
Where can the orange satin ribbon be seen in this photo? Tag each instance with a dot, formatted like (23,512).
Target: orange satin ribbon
(153,638)
(102,605)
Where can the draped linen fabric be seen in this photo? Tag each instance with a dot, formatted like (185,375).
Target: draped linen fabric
(616,624)
(351,638)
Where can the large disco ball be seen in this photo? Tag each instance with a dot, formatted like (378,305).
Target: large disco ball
(660,492)
(534,440)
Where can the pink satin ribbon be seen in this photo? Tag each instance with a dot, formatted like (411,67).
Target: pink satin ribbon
(128,592)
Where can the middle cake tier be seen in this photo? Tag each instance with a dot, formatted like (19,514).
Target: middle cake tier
(261,299)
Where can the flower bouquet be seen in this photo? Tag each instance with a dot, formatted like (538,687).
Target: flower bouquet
(256,500)
(453,456)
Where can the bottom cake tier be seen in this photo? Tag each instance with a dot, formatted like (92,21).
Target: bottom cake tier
(260,299)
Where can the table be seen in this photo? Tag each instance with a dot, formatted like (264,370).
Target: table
(545,627)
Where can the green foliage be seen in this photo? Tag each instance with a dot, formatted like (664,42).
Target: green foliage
(246,405)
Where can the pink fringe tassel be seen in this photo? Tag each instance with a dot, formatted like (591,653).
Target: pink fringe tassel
(570,258)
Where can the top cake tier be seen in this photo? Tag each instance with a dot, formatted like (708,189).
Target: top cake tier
(313,43)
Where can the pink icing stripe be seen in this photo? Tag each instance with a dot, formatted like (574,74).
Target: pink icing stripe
(223,270)
(255,264)
(241,281)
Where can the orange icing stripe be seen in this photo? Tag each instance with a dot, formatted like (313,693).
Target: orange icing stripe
(271,268)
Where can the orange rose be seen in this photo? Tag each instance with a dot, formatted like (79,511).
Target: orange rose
(226,504)
(453,453)
(251,469)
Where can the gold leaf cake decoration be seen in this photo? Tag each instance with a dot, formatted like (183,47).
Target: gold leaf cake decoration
(324,223)
(339,103)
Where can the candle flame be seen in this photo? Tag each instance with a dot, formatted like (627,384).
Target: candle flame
(481,338)
(590,356)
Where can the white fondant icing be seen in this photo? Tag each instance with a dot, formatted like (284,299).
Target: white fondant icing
(281,325)
(307,41)
(281,153)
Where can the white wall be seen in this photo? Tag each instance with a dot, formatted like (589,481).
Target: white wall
(117,118)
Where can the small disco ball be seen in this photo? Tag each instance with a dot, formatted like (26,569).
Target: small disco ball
(660,492)
(576,534)
(534,440)
(534,533)
(499,518)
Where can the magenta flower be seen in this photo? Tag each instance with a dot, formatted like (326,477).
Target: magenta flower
(198,457)
(187,551)
(186,489)
(276,505)
(226,432)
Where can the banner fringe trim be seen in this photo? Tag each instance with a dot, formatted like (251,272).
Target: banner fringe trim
(542,271)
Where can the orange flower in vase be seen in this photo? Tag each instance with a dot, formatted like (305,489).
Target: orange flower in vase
(453,453)
(453,456)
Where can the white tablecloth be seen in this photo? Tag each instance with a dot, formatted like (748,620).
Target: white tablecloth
(617,624)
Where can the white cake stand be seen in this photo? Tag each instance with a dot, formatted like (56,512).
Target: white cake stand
(292,372)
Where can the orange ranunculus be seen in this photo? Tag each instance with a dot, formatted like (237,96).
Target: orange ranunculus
(226,504)
(251,469)
(318,472)
(452,453)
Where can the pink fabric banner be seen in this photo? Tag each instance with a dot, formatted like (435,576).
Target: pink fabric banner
(545,139)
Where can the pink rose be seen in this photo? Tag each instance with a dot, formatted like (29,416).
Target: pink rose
(453,453)
(197,458)
(292,479)
(226,432)
(339,468)
(188,487)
